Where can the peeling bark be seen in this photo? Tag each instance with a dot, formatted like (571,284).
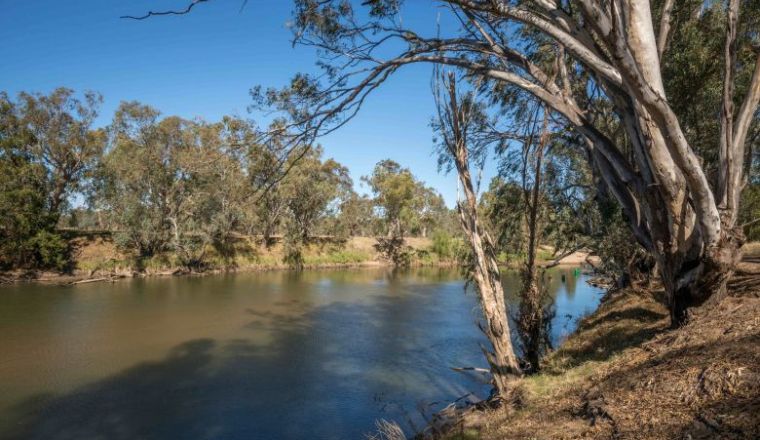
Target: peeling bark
(485,272)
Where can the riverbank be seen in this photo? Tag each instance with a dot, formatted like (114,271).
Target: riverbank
(96,258)
(624,374)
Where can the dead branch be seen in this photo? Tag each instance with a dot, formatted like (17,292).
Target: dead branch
(170,12)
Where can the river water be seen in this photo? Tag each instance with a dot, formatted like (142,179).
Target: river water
(275,355)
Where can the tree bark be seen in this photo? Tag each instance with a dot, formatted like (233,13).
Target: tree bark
(485,272)
(658,178)
(531,320)
(696,278)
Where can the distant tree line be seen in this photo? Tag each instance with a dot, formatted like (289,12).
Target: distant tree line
(164,184)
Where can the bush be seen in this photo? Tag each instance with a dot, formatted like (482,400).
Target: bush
(394,250)
(443,244)
(50,250)
(293,254)
(749,211)
(448,247)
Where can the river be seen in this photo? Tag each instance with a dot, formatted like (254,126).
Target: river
(272,355)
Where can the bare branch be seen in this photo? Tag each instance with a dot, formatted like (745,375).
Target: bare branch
(173,12)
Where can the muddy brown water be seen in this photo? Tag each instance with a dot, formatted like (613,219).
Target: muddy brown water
(278,355)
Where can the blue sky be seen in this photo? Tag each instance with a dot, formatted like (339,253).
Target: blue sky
(203,65)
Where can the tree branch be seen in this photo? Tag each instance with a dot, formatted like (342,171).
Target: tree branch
(585,54)
(726,147)
(173,12)
(664,30)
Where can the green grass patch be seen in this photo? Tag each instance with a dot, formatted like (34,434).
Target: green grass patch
(343,256)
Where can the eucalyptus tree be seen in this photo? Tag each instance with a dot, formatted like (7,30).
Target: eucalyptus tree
(395,189)
(48,149)
(356,216)
(314,189)
(532,316)
(211,170)
(431,212)
(406,204)
(137,185)
(459,124)
(23,192)
(63,139)
(265,160)
(588,62)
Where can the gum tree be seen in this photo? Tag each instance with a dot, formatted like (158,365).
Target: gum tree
(602,66)
(595,64)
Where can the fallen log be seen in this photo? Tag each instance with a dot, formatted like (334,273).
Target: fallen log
(91,280)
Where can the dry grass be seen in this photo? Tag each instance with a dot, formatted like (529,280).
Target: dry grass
(625,375)
(387,431)
(752,249)
(98,254)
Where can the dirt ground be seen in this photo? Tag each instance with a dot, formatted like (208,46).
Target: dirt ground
(625,375)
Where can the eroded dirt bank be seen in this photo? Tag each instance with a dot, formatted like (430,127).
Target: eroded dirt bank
(625,375)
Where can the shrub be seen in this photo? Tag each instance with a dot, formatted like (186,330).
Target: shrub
(293,254)
(394,250)
(50,250)
(443,244)
(449,247)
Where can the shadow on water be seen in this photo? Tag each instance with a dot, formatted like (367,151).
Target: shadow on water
(323,360)
(305,383)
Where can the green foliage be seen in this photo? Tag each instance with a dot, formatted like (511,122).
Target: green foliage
(338,257)
(356,217)
(26,221)
(293,253)
(615,244)
(173,185)
(50,250)
(750,212)
(406,204)
(135,180)
(24,208)
(310,190)
(177,191)
(449,247)
(394,250)
(443,244)
(503,208)
(62,140)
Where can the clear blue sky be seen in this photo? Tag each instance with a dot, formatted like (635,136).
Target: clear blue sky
(203,65)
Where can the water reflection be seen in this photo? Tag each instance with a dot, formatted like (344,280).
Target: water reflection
(320,354)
